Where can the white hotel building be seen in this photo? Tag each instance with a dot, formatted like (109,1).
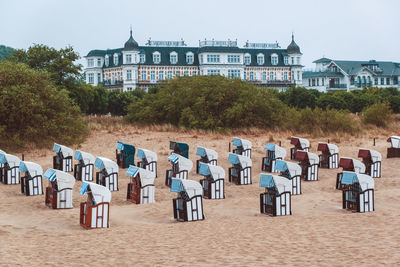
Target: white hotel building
(135,66)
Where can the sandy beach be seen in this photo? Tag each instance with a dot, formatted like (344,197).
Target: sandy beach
(234,232)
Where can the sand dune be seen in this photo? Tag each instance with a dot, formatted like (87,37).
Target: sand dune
(234,232)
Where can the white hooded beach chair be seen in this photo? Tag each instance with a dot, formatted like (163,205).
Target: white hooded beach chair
(213,182)
(95,212)
(188,206)
(141,187)
(309,163)
(1,164)
(372,161)
(207,156)
(351,165)
(274,152)
(243,147)
(330,156)
(108,174)
(181,168)
(59,190)
(359,193)
(291,171)
(83,171)
(299,144)
(10,171)
(240,172)
(148,160)
(394,151)
(276,200)
(63,159)
(31,180)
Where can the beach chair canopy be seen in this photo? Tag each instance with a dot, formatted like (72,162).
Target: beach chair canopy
(280,152)
(328,148)
(183,148)
(183,163)
(63,179)
(146,177)
(354,164)
(309,157)
(239,142)
(281,184)
(100,193)
(395,141)
(107,164)
(11,160)
(216,172)
(369,153)
(301,142)
(65,151)
(84,157)
(239,159)
(32,168)
(2,151)
(192,188)
(208,153)
(126,148)
(293,168)
(365,181)
(148,155)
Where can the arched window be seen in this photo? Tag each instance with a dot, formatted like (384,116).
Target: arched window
(247,59)
(107,60)
(173,57)
(156,57)
(115,59)
(189,58)
(260,59)
(142,58)
(286,60)
(274,59)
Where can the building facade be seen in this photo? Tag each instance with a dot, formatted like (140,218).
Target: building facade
(135,66)
(334,75)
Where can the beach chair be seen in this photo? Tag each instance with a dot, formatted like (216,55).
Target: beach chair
(180,169)
(63,159)
(276,200)
(95,212)
(351,165)
(31,180)
(394,151)
(274,152)
(358,196)
(213,182)
(240,172)
(299,144)
(179,148)
(207,156)
(188,206)
(291,171)
(83,171)
(108,174)
(141,187)
(59,190)
(372,161)
(9,172)
(148,160)
(243,147)
(125,155)
(309,163)
(329,158)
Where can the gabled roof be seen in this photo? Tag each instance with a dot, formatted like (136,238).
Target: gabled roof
(322,60)
(353,67)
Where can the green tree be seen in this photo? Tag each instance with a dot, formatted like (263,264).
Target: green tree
(299,97)
(5,51)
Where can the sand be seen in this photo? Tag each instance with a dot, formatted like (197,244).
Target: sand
(234,232)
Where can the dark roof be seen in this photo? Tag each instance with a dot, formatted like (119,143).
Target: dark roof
(293,48)
(165,52)
(322,60)
(321,74)
(131,44)
(385,68)
(267,56)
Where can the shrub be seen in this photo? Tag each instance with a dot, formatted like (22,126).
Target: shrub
(378,114)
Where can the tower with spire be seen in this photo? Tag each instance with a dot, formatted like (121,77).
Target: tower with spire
(131,60)
(294,53)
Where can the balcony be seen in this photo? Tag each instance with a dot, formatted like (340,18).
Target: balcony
(337,86)
(363,84)
(112,84)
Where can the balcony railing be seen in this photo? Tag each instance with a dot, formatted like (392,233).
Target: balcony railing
(362,84)
(337,86)
(112,83)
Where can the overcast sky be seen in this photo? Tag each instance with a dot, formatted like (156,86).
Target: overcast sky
(339,29)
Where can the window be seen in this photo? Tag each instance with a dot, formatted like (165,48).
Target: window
(317,81)
(91,78)
(143,75)
(382,81)
(212,72)
(247,59)
(233,58)
(260,59)
(264,76)
(129,75)
(189,58)
(169,74)
(313,82)
(153,75)
(194,73)
(271,76)
(113,77)
(298,75)
(233,73)
(251,75)
(376,81)
(213,58)
(286,60)
(298,60)
(292,60)
(161,75)
(156,58)
(128,58)
(142,58)
(99,62)
(107,60)
(90,62)
(388,81)
(323,81)
(115,59)
(285,76)
(129,88)
(118,76)
(274,59)
(98,77)
(173,58)
(309,82)
(186,73)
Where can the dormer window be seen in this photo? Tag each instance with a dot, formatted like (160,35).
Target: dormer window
(189,58)
(274,59)
(90,62)
(128,59)
(286,60)
(115,59)
(173,58)
(99,62)
(107,60)
(260,59)
(247,59)
(156,57)
(142,58)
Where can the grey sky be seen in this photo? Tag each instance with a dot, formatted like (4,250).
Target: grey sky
(340,29)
